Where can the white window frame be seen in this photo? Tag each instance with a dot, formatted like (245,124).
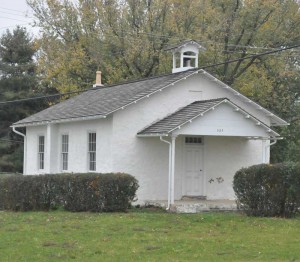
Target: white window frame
(92,148)
(41,152)
(65,152)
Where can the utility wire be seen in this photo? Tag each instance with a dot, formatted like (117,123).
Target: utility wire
(7,13)
(205,67)
(19,11)
(252,56)
(42,97)
(12,141)
(159,37)
(13,19)
(124,34)
(13,26)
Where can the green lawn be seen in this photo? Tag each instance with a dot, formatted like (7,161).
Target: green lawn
(146,236)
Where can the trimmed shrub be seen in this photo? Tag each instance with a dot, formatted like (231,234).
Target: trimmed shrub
(73,192)
(268,190)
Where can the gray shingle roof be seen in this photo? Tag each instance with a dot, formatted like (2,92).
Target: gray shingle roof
(101,101)
(181,116)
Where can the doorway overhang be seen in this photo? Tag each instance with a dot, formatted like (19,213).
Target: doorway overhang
(216,117)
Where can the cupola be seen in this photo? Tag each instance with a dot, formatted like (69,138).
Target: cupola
(185,55)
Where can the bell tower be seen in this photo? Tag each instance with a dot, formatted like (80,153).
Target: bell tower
(185,55)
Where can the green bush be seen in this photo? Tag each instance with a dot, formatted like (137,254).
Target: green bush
(268,190)
(74,192)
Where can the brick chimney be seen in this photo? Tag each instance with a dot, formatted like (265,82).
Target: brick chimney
(98,79)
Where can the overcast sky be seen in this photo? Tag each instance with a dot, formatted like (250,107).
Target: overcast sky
(13,13)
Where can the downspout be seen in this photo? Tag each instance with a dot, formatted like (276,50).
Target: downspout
(172,190)
(273,143)
(170,171)
(25,146)
(269,145)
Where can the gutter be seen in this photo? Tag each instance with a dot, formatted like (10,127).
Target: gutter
(25,146)
(65,120)
(18,132)
(170,171)
(275,141)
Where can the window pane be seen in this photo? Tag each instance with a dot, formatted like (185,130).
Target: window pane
(41,150)
(92,151)
(65,151)
(65,161)
(92,164)
(41,143)
(92,142)
(65,143)
(41,160)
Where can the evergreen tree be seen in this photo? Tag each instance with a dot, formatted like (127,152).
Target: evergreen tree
(17,80)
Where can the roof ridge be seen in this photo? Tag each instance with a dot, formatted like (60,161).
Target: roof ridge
(141,80)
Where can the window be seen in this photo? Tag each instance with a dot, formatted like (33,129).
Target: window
(41,152)
(92,151)
(64,151)
(177,59)
(189,59)
(193,140)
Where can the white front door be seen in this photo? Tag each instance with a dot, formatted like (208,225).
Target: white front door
(194,175)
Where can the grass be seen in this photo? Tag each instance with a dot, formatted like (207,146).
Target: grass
(146,236)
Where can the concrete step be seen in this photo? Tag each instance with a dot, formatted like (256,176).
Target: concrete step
(196,206)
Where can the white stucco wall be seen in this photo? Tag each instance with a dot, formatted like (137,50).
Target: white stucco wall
(223,121)
(31,154)
(78,146)
(120,150)
(147,158)
(223,157)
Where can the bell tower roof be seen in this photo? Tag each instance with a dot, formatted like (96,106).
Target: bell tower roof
(185,55)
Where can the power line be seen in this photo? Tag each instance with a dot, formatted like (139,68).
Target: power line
(42,97)
(253,56)
(159,37)
(13,19)
(205,67)
(12,141)
(16,14)
(125,36)
(13,26)
(19,11)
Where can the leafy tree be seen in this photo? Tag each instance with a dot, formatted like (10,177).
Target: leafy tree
(17,81)
(126,40)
